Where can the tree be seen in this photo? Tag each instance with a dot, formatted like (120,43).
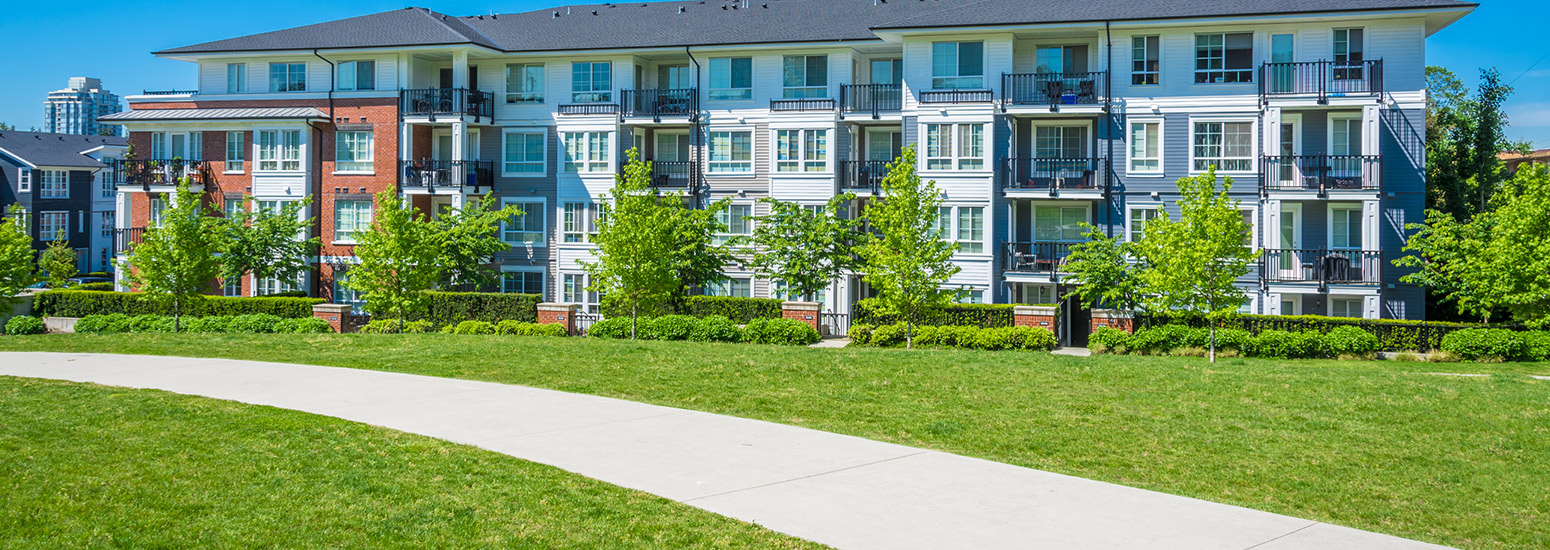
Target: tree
(267,243)
(15,256)
(907,261)
(5,127)
(804,247)
(470,236)
(397,260)
(57,262)
(177,259)
(1100,269)
(1193,263)
(1464,136)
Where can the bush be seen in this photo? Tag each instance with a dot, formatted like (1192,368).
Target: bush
(780,331)
(22,324)
(474,327)
(303,325)
(451,308)
(1109,340)
(285,294)
(1033,338)
(1287,345)
(1349,340)
(1233,338)
(739,310)
(390,326)
(253,323)
(1487,344)
(81,303)
(860,335)
(205,324)
(968,315)
(887,336)
(951,336)
(715,328)
(1537,344)
(150,323)
(102,324)
(612,327)
(668,327)
(1156,340)
(94,286)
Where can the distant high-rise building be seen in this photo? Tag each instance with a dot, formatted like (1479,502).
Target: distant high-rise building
(74,110)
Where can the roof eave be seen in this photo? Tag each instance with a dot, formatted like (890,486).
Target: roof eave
(1460,11)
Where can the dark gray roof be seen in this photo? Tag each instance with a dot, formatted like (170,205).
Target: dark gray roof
(39,149)
(711,22)
(145,115)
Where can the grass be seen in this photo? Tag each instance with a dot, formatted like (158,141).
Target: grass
(85,466)
(1372,445)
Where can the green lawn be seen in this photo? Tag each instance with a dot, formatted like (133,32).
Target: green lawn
(85,466)
(1373,445)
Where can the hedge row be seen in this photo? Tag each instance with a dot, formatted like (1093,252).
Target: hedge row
(450,308)
(963,315)
(1343,341)
(712,328)
(739,310)
(22,325)
(1480,344)
(1392,334)
(955,336)
(249,323)
(82,303)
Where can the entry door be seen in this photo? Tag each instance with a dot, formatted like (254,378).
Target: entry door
(1291,240)
(179,146)
(1345,146)
(473,78)
(1282,50)
(443,146)
(884,145)
(1288,172)
(673,77)
(671,147)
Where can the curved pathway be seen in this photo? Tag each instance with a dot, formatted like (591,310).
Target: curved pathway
(847,492)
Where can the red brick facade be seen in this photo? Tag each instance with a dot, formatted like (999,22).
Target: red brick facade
(806,312)
(1121,320)
(1034,316)
(558,314)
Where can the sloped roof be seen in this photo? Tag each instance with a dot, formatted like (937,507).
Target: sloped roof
(1002,12)
(40,149)
(152,115)
(405,27)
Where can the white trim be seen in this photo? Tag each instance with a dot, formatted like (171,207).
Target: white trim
(1162,147)
(543,132)
(986,146)
(1253,156)
(1329,223)
(801,160)
(542,210)
(1254,224)
(543,279)
(753,148)
(1129,235)
(610,157)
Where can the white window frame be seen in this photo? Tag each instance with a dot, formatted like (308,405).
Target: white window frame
(731,92)
(349,75)
(105,222)
(274,285)
(723,236)
(526,97)
(806,90)
(591,94)
(543,278)
(955,144)
(290,71)
(724,285)
(54,184)
(585,153)
(1145,49)
(1254,221)
(957,68)
(236,148)
(711,164)
(573,290)
(1195,44)
(1156,210)
(530,206)
(1351,208)
(236,78)
(44,225)
(1033,214)
(1252,157)
(543,153)
(801,164)
(1360,302)
(23,179)
(954,233)
(1162,141)
(341,147)
(343,235)
(1350,68)
(578,224)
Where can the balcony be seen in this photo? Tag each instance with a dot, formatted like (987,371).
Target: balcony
(1320,80)
(656,104)
(1054,175)
(457,174)
(433,102)
(1320,173)
(589,109)
(666,174)
(804,104)
(862,176)
(1320,265)
(871,98)
(1035,257)
(1054,89)
(148,172)
(126,238)
(956,96)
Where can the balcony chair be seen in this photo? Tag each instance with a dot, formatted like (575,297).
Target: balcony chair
(1086,92)
(1337,267)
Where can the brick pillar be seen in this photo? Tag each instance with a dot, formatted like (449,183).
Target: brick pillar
(550,313)
(1115,319)
(337,315)
(1034,316)
(806,312)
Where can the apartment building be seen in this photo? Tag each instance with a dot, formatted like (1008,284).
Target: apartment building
(1031,118)
(76,108)
(64,187)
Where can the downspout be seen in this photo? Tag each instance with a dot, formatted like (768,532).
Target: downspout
(1108,110)
(317,274)
(694,140)
(332,76)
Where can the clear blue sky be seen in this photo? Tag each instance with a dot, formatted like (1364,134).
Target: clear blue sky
(41,45)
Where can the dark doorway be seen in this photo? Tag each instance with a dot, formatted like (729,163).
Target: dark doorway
(473,78)
(1076,320)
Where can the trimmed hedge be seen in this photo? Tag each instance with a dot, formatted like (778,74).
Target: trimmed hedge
(1487,344)
(519,328)
(712,328)
(956,336)
(739,310)
(789,332)
(1184,340)
(23,325)
(255,323)
(93,286)
(451,308)
(390,326)
(968,315)
(1392,334)
(82,303)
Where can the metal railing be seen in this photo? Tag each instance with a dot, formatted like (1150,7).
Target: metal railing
(169,92)
(584,322)
(446,101)
(1321,79)
(673,174)
(862,175)
(1054,174)
(956,96)
(1053,89)
(805,104)
(1320,265)
(833,324)
(1321,173)
(871,98)
(589,109)
(658,103)
(430,174)
(1035,257)
(148,172)
(126,238)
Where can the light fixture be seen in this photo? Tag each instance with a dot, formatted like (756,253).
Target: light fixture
(944,112)
(1156,195)
(1155,108)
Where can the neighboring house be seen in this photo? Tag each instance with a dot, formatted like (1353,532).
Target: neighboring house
(1031,117)
(77,108)
(1513,160)
(61,183)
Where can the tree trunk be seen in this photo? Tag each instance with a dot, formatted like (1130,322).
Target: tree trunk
(177,312)
(634,311)
(909,334)
(1213,342)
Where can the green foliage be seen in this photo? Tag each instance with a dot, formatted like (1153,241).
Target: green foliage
(518,328)
(57,263)
(860,334)
(670,327)
(24,325)
(971,315)
(611,327)
(741,310)
(962,337)
(81,303)
(716,328)
(178,258)
(15,256)
(1488,344)
(1101,272)
(906,260)
(474,327)
(807,249)
(252,324)
(789,332)
(1349,340)
(1464,136)
(397,260)
(450,308)
(1109,340)
(265,242)
(1536,345)
(469,237)
(393,326)
(103,287)
(1287,345)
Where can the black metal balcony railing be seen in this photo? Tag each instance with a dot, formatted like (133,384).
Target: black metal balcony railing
(430,174)
(447,101)
(1320,265)
(871,98)
(148,172)
(804,104)
(126,238)
(672,174)
(862,175)
(956,96)
(589,109)
(1321,79)
(1054,174)
(1053,89)
(1035,257)
(1321,173)
(169,92)
(659,103)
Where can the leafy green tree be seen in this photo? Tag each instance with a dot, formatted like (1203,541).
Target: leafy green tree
(1192,264)
(907,261)
(397,260)
(57,263)
(15,256)
(698,259)
(267,244)
(470,237)
(1464,136)
(804,247)
(1100,268)
(177,259)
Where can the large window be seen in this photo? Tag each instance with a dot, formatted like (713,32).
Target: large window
(1229,146)
(232,287)
(1058,223)
(55,185)
(586,151)
(950,146)
(575,292)
(1146,147)
(523,154)
(270,286)
(346,295)
(971,229)
(527,228)
(279,150)
(957,65)
(1345,227)
(23,180)
(1345,307)
(157,210)
(579,222)
(287,77)
(737,219)
(236,151)
(1060,142)
(1145,60)
(358,75)
(1225,57)
(352,152)
(523,282)
(804,76)
(525,83)
(736,287)
(236,78)
(731,152)
(53,226)
(1139,217)
(1348,54)
(731,78)
(591,82)
(351,217)
(801,150)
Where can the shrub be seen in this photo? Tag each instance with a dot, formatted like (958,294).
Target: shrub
(780,331)
(204,324)
(887,336)
(1160,339)
(304,325)
(1033,338)
(390,326)
(149,323)
(451,308)
(715,328)
(1232,338)
(81,303)
(1488,344)
(739,310)
(23,324)
(970,315)
(1537,345)
(1287,345)
(102,324)
(253,323)
(474,327)
(669,327)
(1109,340)
(860,335)
(611,327)
(94,286)
(518,328)
(1349,340)
(285,294)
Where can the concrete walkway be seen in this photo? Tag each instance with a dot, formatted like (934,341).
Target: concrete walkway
(843,491)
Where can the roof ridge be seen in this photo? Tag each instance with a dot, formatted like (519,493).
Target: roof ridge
(478,38)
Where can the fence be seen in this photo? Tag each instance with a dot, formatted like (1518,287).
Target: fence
(1393,335)
(833,324)
(584,321)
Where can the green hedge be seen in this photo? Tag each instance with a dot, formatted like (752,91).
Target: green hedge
(955,336)
(712,328)
(1392,334)
(23,325)
(1343,341)
(451,308)
(964,315)
(739,310)
(254,323)
(93,286)
(81,303)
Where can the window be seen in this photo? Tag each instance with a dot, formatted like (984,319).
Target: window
(1060,59)
(287,77)
(1345,231)
(1348,54)
(575,292)
(279,150)
(236,78)
(290,150)
(351,217)
(1060,142)
(971,229)
(56,185)
(196,149)
(591,82)
(358,75)
(527,228)
(105,222)
(1224,57)
(1291,306)
(24,180)
(1058,223)
(1145,60)
(737,287)
(270,286)
(785,292)
(1139,216)
(1146,147)
(345,295)
(53,226)
(236,151)
(158,145)
(232,287)
(525,83)
(955,145)
(731,78)
(736,219)
(971,297)
(352,152)
(232,208)
(586,151)
(268,150)
(887,71)
(1345,307)
(578,222)
(523,282)
(1249,239)
(957,65)
(523,154)
(731,152)
(801,150)
(157,211)
(804,76)
(1229,146)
